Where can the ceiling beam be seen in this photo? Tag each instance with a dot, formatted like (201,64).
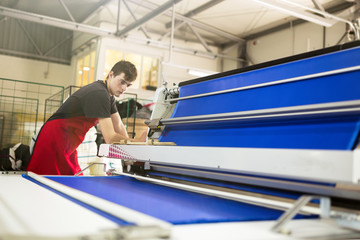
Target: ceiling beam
(294,11)
(12,5)
(134,17)
(340,7)
(318,5)
(200,38)
(67,10)
(118,16)
(29,37)
(163,45)
(78,27)
(169,32)
(194,23)
(357,10)
(93,9)
(69,37)
(35,56)
(55,22)
(198,10)
(159,10)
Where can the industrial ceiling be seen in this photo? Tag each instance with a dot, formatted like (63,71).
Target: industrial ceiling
(44,29)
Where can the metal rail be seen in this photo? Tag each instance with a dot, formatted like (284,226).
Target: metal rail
(318,188)
(304,111)
(254,200)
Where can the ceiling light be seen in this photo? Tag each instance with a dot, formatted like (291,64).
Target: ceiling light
(190,70)
(199,73)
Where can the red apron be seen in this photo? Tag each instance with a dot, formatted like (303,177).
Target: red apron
(55,149)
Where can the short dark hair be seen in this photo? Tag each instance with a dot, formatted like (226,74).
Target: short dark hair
(125,67)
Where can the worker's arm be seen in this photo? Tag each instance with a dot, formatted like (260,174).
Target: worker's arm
(113,130)
(108,131)
(118,124)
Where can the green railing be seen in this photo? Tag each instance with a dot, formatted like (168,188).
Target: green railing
(53,102)
(22,106)
(129,119)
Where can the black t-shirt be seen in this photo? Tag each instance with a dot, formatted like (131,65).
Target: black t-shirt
(90,101)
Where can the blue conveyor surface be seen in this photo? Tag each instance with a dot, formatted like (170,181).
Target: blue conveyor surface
(169,204)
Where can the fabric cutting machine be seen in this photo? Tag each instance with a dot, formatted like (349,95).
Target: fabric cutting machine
(283,132)
(264,152)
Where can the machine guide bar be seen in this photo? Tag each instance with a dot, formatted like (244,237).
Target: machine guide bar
(303,111)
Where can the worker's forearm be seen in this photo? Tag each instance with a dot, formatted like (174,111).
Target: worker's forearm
(117,137)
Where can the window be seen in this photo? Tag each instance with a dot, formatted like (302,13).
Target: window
(85,69)
(136,60)
(148,68)
(150,73)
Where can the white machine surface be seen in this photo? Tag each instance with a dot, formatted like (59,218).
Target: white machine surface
(29,211)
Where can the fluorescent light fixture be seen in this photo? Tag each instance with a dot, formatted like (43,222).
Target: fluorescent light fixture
(295,11)
(199,73)
(192,71)
(86,68)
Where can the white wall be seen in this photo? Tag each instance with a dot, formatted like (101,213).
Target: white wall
(299,39)
(228,63)
(35,71)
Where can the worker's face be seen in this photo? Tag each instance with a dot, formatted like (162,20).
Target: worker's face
(118,84)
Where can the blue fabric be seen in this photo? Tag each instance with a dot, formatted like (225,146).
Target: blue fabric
(118,221)
(169,204)
(337,133)
(330,134)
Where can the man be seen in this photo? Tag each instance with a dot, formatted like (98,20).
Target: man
(54,152)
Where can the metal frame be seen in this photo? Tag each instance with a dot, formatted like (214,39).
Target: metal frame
(32,17)
(156,10)
(159,10)
(194,23)
(298,205)
(303,111)
(198,10)
(133,15)
(312,165)
(287,185)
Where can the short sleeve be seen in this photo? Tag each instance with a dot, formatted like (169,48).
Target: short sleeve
(97,104)
(113,105)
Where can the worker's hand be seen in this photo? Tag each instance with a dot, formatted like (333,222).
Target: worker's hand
(142,137)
